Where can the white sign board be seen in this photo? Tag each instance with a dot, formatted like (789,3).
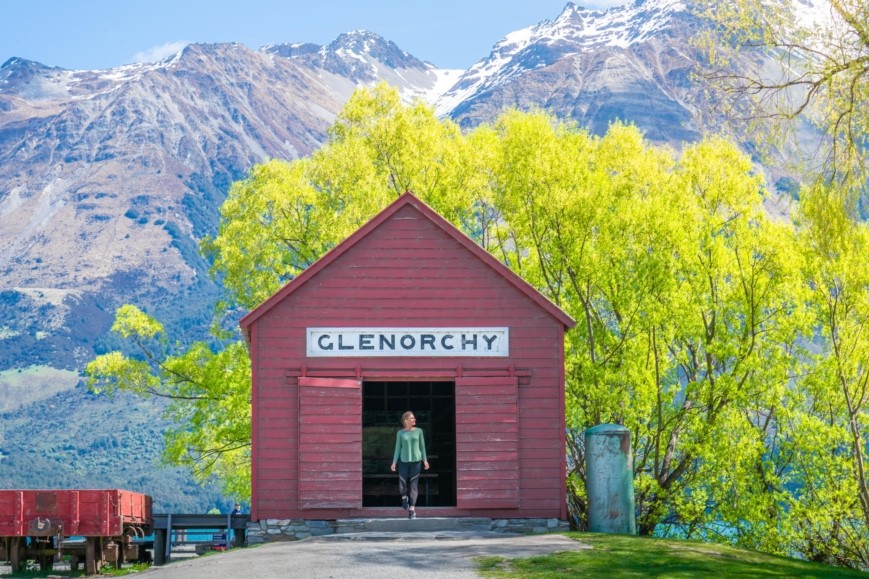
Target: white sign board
(419,342)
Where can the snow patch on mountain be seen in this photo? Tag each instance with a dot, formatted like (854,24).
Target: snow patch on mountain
(438,81)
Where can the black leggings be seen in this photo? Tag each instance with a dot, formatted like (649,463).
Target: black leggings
(408,475)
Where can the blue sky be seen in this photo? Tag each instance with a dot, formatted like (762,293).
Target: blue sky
(94,34)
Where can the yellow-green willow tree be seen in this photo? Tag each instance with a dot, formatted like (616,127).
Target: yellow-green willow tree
(208,393)
(285,215)
(831,424)
(822,80)
(691,302)
(688,301)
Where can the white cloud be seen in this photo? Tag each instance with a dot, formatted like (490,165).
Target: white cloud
(160,52)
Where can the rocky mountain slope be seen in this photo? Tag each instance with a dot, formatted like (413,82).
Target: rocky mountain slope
(110,178)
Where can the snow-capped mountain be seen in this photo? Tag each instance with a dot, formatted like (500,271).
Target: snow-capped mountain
(577,30)
(629,62)
(364,58)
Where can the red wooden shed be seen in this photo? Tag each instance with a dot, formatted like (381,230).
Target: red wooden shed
(408,313)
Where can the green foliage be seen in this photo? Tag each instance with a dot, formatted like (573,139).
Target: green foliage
(688,299)
(832,450)
(209,393)
(113,571)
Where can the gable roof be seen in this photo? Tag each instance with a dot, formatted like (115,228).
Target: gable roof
(405,199)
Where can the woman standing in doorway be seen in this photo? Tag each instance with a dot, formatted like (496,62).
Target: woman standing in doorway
(411,458)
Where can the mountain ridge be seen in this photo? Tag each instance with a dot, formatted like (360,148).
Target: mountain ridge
(576,29)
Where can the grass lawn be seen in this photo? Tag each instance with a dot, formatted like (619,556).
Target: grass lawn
(615,556)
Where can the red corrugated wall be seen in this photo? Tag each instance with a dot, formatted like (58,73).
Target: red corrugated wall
(409,272)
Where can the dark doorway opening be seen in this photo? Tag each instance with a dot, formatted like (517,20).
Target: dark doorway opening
(434,405)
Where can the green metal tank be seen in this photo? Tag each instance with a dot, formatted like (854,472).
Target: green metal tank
(609,480)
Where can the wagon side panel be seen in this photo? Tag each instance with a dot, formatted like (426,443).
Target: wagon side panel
(35,513)
(95,513)
(48,512)
(135,508)
(11,513)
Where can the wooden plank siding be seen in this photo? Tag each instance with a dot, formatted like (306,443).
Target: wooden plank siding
(330,443)
(406,270)
(487,460)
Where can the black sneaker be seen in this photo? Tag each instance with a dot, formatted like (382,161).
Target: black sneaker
(404,503)
(411,515)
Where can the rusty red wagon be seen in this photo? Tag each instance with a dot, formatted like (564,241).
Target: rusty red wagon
(38,525)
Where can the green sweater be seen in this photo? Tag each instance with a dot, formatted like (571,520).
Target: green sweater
(409,446)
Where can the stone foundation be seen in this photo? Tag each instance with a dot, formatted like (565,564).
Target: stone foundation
(270,530)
